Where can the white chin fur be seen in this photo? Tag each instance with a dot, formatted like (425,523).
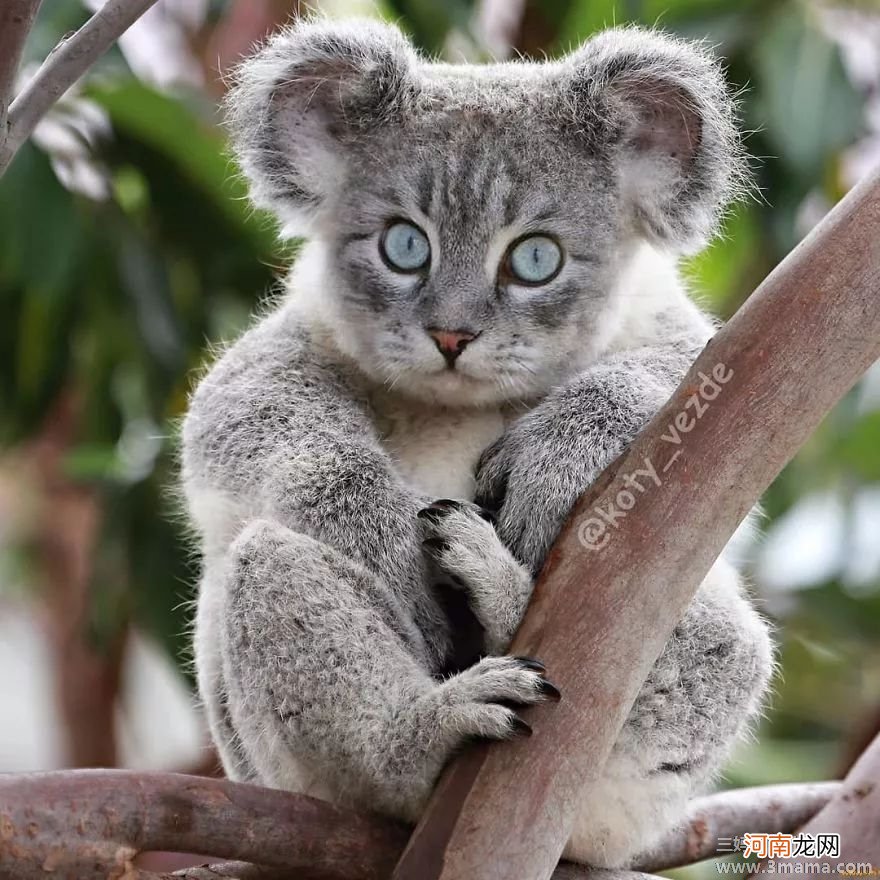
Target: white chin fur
(453,388)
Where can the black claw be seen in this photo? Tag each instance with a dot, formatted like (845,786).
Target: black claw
(549,690)
(531,663)
(449,503)
(520,728)
(435,546)
(432,514)
(436,511)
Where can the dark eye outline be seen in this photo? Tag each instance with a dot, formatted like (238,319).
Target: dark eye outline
(423,268)
(506,272)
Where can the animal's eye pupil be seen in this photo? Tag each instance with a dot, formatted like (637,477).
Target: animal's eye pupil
(534,260)
(404,247)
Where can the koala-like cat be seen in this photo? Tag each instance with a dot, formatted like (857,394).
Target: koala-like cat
(488,308)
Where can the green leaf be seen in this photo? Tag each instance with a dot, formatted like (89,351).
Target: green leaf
(805,102)
(586,18)
(719,20)
(859,449)
(194,144)
(723,272)
(91,462)
(429,22)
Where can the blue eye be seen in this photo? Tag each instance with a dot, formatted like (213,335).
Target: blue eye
(535,260)
(405,247)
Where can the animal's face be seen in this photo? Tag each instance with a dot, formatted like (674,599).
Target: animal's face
(473,219)
(470,254)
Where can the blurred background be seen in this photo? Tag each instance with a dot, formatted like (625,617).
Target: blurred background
(127,248)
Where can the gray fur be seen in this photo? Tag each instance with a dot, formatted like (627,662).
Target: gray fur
(328,647)
(570,436)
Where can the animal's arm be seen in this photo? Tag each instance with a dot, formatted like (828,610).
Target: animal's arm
(280,431)
(572,435)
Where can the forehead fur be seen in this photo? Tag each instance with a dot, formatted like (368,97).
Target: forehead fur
(324,105)
(472,173)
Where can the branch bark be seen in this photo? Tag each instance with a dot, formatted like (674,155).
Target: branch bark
(853,813)
(16,19)
(242,871)
(66,63)
(768,809)
(92,823)
(789,354)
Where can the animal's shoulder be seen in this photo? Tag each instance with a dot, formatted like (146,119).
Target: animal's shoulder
(282,365)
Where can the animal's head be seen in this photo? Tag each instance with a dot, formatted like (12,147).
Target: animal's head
(473,218)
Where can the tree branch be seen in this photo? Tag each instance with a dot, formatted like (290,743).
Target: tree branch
(92,822)
(789,354)
(66,63)
(230,871)
(853,813)
(16,19)
(769,809)
(241,871)
(85,823)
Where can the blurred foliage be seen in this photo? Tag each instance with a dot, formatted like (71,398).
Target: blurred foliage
(115,297)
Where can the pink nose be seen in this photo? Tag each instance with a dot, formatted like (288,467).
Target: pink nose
(451,343)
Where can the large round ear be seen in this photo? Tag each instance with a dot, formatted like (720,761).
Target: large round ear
(661,109)
(296,103)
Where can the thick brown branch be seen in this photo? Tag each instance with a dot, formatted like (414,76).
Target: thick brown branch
(16,19)
(91,823)
(791,352)
(239,871)
(67,62)
(94,821)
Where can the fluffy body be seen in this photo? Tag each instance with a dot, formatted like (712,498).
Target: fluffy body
(347,647)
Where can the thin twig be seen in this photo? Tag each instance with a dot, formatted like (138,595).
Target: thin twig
(87,822)
(66,63)
(16,19)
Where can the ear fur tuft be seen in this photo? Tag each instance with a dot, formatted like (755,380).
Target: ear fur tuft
(662,109)
(293,104)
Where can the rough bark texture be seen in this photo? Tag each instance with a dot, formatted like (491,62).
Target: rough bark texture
(241,871)
(91,824)
(796,346)
(768,809)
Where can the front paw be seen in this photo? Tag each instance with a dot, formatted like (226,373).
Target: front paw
(480,702)
(532,482)
(462,544)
